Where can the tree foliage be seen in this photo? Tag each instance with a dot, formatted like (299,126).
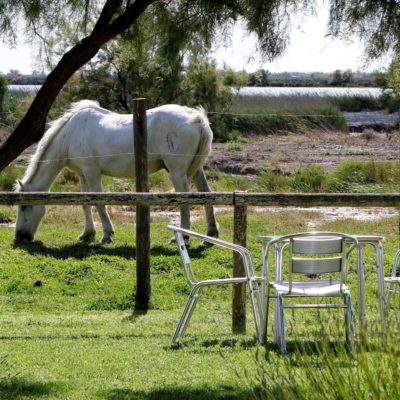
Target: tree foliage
(3,90)
(181,23)
(96,24)
(376,22)
(394,76)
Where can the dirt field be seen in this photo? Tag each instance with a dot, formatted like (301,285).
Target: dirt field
(292,152)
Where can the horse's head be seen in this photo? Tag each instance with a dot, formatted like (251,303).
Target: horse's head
(28,218)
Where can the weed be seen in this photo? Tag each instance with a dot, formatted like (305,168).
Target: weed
(234,147)
(7,215)
(9,176)
(308,180)
(272,181)
(352,175)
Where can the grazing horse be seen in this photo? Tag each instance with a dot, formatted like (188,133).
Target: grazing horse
(93,141)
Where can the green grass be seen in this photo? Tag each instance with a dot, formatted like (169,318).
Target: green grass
(68,330)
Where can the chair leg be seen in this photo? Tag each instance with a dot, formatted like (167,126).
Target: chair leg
(257,308)
(186,313)
(350,332)
(264,322)
(281,324)
(190,312)
(389,295)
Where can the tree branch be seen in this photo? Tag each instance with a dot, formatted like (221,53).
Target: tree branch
(107,13)
(31,127)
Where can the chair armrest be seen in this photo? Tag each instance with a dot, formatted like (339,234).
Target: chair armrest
(244,253)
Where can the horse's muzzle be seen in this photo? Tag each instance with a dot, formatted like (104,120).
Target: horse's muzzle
(23,236)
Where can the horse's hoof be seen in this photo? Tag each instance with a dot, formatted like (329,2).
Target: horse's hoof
(173,240)
(87,237)
(213,232)
(106,239)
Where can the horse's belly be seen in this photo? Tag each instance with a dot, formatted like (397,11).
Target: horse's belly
(124,166)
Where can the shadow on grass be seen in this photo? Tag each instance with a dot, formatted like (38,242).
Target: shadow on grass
(316,347)
(83,250)
(16,388)
(91,336)
(215,343)
(182,393)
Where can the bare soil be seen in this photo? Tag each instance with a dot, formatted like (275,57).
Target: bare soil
(288,153)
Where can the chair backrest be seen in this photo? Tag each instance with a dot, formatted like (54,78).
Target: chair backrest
(323,247)
(396,264)
(315,254)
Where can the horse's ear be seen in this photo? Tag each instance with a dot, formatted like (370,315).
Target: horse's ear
(20,186)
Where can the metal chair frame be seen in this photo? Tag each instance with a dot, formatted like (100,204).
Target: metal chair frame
(310,244)
(253,282)
(393,281)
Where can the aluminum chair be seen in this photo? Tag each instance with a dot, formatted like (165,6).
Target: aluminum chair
(250,278)
(393,280)
(308,256)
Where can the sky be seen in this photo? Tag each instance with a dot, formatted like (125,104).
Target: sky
(310,50)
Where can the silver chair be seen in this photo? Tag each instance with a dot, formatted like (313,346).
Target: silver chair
(393,281)
(251,279)
(308,256)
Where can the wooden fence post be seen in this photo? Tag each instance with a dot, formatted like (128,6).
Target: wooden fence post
(143,288)
(239,290)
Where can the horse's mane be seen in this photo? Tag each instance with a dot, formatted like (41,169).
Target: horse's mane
(54,128)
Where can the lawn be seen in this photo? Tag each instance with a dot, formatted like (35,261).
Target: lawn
(68,329)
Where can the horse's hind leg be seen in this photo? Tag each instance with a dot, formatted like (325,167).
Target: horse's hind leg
(201,183)
(93,179)
(181,184)
(89,232)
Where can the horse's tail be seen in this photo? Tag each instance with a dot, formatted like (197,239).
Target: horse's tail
(206,138)
(49,135)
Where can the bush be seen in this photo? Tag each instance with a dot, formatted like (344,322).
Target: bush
(3,90)
(8,177)
(349,175)
(357,103)
(273,181)
(308,180)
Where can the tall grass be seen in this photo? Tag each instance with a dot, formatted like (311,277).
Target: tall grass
(370,176)
(349,176)
(266,115)
(326,371)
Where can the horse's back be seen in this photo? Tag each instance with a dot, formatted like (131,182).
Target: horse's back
(99,138)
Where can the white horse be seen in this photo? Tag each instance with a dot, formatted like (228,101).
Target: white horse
(93,141)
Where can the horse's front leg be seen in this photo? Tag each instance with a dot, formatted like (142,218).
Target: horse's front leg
(93,179)
(201,184)
(89,232)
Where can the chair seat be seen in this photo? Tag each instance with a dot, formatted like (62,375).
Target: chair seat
(311,288)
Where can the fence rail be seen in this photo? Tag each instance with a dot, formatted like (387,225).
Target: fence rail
(200,198)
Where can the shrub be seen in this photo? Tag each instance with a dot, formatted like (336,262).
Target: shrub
(8,177)
(273,181)
(357,103)
(3,90)
(7,215)
(308,180)
(349,175)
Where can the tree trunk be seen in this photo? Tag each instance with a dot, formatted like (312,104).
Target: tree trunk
(31,127)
